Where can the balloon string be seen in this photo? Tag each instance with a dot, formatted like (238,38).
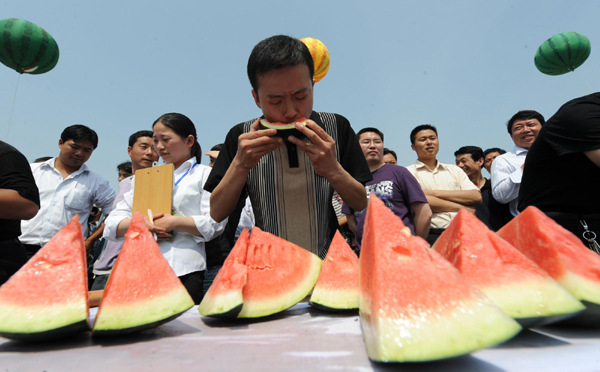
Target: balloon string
(13,107)
(585,82)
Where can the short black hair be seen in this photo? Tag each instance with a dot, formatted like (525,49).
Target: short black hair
(43,159)
(494,149)
(142,133)
(79,132)
(277,52)
(217,147)
(370,130)
(418,128)
(475,152)
(524,115)
(388,151)
(125,167)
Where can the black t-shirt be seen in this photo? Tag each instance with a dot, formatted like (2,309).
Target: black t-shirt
(557,176)
(15,174)
(218,248)
(269,178)
(491,212)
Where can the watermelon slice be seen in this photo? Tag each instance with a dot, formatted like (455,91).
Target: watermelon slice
(337,287)
(414,305)
(142,291)
(284,129)
(47,298)
(515,283)
(562,255)
(280,274)
(224,298)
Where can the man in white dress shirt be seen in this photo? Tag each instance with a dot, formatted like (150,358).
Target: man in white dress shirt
(67,187)
(507,169)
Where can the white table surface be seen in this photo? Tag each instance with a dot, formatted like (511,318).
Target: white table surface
(299,339)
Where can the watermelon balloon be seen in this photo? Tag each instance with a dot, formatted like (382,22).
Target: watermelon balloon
(320,56)
(562,53)
(26,47)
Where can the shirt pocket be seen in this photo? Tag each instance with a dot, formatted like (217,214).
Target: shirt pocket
(77,200)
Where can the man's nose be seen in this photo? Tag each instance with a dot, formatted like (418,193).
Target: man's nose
(290,110)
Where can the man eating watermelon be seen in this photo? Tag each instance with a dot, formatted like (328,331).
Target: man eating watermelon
(289,181)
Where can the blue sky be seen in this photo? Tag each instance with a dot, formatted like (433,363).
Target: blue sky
(463,66)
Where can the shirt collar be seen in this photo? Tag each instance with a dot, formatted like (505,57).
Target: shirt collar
(186,165)
(420,164)
(50,163)
(519,150)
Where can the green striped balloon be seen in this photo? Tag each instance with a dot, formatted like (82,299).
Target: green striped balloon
(26,47)
(562,53)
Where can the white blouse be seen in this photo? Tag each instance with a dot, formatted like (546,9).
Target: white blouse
(186,252)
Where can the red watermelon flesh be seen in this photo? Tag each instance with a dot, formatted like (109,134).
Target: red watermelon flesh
(224,298)
(47,297)
(561,254)
(280,274)
(515,283)
(337,286)
(142,291)
(414,305)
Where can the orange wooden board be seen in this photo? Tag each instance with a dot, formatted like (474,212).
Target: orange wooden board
(153,190)
(94,298)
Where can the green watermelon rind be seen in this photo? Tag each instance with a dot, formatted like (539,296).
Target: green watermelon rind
(283,131)
(543,299)
(226,305)
(587,318)
(428,337)
(224,298)
(580,287)
(337,289)
(140,328)
(37,318)
(586,291)
(257,309)
(135,316)
(65,331)
(334,300)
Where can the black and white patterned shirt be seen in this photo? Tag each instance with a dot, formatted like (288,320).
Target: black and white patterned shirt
(288,197)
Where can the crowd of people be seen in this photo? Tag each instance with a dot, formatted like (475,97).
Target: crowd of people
(301,189)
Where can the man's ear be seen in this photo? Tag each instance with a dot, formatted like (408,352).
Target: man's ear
(480,162)
(256,100)
(129,150)
(412,147)
(60,143)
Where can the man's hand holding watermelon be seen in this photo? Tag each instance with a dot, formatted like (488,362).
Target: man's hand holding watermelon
(320,148)
(252,146)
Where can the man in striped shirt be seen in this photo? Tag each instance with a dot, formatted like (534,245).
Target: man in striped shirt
(290,181)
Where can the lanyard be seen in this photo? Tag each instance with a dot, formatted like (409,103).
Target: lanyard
(185,174)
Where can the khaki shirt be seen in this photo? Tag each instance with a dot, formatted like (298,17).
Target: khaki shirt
(442,177)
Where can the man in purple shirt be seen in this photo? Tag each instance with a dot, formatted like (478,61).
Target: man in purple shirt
(142,156)
(394,185)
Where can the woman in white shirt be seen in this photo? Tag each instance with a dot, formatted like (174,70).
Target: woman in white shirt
(182,234)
